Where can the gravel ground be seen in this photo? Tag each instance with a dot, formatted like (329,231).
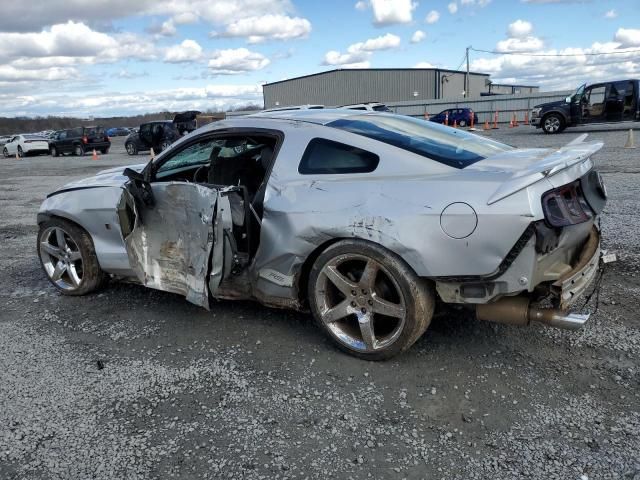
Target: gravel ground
(135,383)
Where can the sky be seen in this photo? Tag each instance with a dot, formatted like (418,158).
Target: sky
(123,57)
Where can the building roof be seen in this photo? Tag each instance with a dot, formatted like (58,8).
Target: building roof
(373,70)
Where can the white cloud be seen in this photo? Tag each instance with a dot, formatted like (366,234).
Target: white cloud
(210,97)
(424,65)
(276,27)
(75,40)
(361,5)
(432,17)
(418,36)
(610,14)
(236,60)
(453,8)
(187,51)
(562,72)
(628,37)
(519,29)
(358,54)
(526,44)
(388,12)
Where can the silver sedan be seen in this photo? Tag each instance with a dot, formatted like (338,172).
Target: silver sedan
(363,218)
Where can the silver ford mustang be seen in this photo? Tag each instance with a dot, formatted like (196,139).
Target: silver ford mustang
(363,218)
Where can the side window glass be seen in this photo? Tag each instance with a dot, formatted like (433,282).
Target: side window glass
(596,95)
(328,157)
(194,155)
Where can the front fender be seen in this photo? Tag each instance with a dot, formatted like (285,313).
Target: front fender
(96,213)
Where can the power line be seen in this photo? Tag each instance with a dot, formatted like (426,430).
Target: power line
(553,54)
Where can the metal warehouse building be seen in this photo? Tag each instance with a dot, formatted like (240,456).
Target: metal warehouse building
(345,86)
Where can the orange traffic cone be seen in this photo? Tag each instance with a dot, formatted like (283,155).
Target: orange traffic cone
(17,156)
(486,125)
(426,115)
(94,155)
(446,119)
(526,118)
(511,123)
(495,120)
(152,154)
(472,121)
(455,124)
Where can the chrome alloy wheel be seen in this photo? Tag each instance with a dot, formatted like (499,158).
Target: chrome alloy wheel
(61,258)
(360,302)
(552,124)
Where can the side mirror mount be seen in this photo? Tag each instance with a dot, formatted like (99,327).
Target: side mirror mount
(133,175)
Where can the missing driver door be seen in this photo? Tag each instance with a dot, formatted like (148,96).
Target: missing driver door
(170,238)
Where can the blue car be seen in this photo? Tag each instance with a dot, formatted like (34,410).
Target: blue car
(462,117)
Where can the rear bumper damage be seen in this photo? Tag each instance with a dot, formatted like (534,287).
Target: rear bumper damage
(520,310)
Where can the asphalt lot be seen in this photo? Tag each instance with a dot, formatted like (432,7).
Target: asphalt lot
(249,392)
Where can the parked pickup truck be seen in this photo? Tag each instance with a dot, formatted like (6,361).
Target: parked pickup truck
(605,102)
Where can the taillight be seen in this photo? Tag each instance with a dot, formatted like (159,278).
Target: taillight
(85,139)
(566,205)
(106,138)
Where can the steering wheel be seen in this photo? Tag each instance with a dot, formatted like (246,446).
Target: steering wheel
(198,172)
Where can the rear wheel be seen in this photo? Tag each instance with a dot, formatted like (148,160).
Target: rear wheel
(164,145)
(368,300)
(68,257)
(54,152)
(78,150)
(462,123)
(553,123)
(131,148)
(104,151)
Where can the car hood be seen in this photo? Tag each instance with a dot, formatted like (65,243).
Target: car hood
(551,104)
(111,177)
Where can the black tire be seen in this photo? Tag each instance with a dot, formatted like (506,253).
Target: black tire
(20,152)
(93,277)
(463,123)
(54,152)
(553,123)
(78,150)
(164,145)
(5,152)
(131,148)
(417,296)
(104,151)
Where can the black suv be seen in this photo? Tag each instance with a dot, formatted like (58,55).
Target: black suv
(79,140)
(157,135)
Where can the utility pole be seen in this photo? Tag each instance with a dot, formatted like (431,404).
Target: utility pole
(467,84)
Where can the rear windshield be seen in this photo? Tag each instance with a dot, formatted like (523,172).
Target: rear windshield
(450,146)
(381,108)
(33,137)
(93,131)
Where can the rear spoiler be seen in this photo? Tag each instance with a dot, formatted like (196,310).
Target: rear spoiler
(571,154)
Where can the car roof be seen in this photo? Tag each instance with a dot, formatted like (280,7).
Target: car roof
(320,116)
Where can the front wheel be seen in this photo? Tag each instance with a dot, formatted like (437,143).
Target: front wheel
(368,300)
(5,152)
(20,152)
(164,145)
(68,257)
(54,152)
(463,123)
(104,151)
(553,123)
(131,148)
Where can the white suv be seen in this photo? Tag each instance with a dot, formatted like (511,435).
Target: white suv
(370,106)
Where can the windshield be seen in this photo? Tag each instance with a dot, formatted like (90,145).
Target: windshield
(579,92)
(93,131)
(446,145)
(381,108)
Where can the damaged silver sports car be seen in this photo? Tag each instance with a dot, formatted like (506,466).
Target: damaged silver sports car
(365,219)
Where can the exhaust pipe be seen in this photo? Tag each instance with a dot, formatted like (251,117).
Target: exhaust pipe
(517,311)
